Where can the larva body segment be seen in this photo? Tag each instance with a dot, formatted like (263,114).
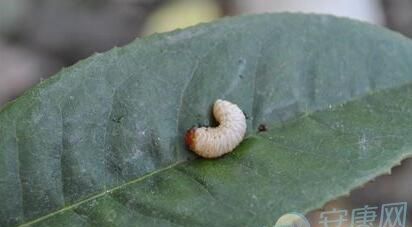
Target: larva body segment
(211,142)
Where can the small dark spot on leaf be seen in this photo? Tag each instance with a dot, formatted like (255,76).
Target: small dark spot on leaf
(241,76)
(262,128)
(117,119)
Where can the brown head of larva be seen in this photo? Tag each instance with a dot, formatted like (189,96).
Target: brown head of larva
(190,138)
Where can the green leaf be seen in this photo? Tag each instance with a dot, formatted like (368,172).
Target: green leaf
(101,143)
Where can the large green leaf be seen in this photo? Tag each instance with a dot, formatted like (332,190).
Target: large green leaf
(100,144)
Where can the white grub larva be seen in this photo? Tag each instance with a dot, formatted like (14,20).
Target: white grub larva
(211,142)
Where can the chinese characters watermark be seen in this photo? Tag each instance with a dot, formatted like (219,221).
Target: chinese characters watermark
(387,215)
(333,217)
(391,215)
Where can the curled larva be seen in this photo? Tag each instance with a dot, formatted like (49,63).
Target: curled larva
(211,142)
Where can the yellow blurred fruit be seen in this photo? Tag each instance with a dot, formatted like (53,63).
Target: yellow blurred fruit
(180,14)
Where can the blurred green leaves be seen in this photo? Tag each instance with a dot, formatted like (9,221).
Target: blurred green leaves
(10,13)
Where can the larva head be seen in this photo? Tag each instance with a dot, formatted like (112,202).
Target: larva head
(190,138)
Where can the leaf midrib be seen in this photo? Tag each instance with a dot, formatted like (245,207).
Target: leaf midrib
(74,205)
